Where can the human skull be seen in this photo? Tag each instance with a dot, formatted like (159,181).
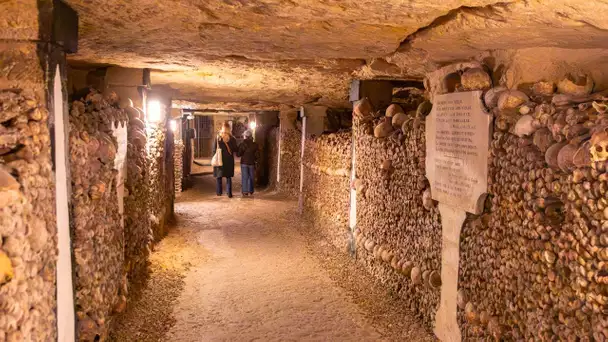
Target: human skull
(427,199)
(393,110)
(386,165)
(599,146)
(476,78)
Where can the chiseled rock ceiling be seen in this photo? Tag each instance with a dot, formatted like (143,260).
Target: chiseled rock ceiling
(267,52)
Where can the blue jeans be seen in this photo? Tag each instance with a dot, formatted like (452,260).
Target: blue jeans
(218,188)
(247,178)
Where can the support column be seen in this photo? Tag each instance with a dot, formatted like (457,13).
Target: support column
(127,83)
(379,93)
(35,186)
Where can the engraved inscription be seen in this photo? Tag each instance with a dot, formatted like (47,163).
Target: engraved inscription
(457,147)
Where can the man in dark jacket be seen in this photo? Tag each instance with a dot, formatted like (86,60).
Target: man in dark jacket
(248,151)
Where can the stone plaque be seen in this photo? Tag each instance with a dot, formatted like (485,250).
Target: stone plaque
(457,142)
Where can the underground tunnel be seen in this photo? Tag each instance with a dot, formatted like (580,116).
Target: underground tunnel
(400,170)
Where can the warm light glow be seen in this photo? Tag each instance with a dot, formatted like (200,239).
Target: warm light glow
(154,111)
(252,125)
(173,125)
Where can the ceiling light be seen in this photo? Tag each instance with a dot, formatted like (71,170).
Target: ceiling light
(154,111)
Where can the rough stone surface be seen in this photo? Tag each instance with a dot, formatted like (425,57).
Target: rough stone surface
(527,41)
(307,45)
(263,83)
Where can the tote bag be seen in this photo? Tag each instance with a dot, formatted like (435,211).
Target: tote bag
(217,157)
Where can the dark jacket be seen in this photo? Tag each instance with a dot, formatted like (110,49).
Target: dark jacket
(248,151)
(227,168)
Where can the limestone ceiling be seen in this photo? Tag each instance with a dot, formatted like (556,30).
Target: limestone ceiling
(270,52)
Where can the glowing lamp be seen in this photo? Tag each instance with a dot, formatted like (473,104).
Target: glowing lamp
(173,125)
(252,125)
(154,111)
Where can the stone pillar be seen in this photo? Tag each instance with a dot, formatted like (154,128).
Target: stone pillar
(126,82)
(379,93)
(34,37)
(315,119)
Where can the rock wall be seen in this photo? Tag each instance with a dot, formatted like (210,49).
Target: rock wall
(326,191)
(534,263)
(98,237)
(398,238)
(291,144)
(273,157)
(28,231)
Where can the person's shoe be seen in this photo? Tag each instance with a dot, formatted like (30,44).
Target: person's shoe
(229,195)
(218,195)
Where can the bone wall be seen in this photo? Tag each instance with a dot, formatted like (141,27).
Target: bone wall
(533,265)
(291,145)
(28,232)
(156,144)
(326,191)
(178,160)
(98,235)
(398,234)
(138,233)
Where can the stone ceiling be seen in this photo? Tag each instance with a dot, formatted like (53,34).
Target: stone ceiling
(263,53)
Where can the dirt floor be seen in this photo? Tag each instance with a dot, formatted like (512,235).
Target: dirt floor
(246,269)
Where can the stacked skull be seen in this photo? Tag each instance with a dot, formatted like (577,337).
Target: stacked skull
(158,195)
(534,264)
(291,143)
(326,191)
(398,233)
(98,237)
(138,237)
(178,160)
(27,220)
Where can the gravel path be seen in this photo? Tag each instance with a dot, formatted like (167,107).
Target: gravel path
(246,269)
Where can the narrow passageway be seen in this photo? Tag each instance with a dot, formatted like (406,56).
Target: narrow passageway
(245,272)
